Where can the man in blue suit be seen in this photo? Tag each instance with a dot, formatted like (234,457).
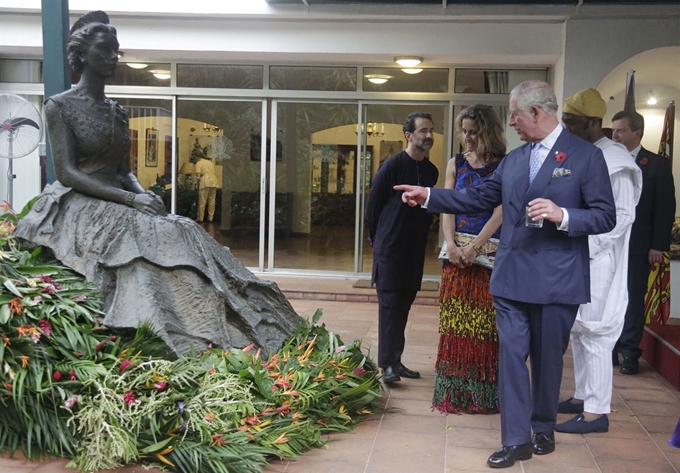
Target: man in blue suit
(541,274)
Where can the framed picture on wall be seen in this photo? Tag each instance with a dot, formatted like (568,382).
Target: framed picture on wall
(134,150)
(151,148)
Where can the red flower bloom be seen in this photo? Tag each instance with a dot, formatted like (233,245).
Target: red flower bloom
(161,385)
(560,156)
(56,375)
(113,338)
(129,398)
(360,371)
(123,365)
(46,327)
(644,161)
(72,375)
(100,345)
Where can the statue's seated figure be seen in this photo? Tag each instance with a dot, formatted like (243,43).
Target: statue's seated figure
(98,220)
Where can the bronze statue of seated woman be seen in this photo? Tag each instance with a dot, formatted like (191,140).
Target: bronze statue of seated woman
(98,220)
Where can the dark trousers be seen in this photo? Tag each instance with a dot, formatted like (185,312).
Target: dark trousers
(540,332)
(393,309)
(634,323)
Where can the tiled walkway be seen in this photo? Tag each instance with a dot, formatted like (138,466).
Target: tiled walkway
(408,437)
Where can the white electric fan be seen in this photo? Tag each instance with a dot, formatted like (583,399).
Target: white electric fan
(20,132)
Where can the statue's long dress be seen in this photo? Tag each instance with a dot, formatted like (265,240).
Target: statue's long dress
(166,270)
(467,359)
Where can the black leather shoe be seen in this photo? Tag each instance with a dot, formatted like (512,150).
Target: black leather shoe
(505,457)
(578,425)
(615,358)
(390,375)
(629,366)
(542,444)
(569,407)
(407,373)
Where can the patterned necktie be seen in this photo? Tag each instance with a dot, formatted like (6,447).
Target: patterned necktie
(535,162)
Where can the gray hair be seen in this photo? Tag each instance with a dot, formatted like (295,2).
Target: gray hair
(537,93)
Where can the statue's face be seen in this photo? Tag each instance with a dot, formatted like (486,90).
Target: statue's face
(102,55)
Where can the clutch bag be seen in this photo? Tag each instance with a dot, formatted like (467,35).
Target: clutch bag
(486,258)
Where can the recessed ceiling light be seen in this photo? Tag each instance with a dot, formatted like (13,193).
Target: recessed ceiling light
(377,78)
(408,61)
(161,74)
(136,65)
(410,70)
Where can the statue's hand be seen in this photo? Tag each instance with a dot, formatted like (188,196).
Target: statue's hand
(149,204)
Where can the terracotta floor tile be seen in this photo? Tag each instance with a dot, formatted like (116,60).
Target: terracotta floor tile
(543,465)
(649,395)
(608,447)
(304,465)
(476,421)
(569,454)
(659,424)
(620,465)
(416,393)
(409,462)
(470,437)
(414,424)
(474,459)
(671,409)
(392,442)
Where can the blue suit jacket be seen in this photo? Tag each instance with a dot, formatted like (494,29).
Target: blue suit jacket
(542,265)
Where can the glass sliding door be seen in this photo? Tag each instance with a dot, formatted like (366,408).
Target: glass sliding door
(227,133)
(316,190)
(382,137)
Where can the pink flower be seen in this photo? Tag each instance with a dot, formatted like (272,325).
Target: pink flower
(46,279)
(46,327)
(72,375)
(100,345)
(340,349)
(113,338)
(49,289)
(129,398)
(161,385)
(56,375)
(359,371)
(80,298)
(644,161)
(560,156)
(37,299)
(71,401)
(124,365)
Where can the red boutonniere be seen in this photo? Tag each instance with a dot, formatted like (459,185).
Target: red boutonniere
(644,161)
(560,156)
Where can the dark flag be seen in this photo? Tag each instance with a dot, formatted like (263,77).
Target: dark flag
(658,297)
(629,106)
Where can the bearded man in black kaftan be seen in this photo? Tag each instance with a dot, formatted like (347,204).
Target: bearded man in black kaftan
(399,237)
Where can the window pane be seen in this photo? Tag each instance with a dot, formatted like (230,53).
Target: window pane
(313,78)
(478,81)
(19,70)
(220,77)
(152,75)
(389,79)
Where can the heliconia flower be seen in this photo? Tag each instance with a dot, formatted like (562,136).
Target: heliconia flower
(45,326)
(124,365)
(113,338)
(24,361)
(56,375)
(49,289)
(129,398)
(340,349)
(100,345)
(72,375)
(217,440)
(71,401)
(46,279)
(80,298)
(161,385)
(15,306)
(360,371)
(5,340)
(5,206)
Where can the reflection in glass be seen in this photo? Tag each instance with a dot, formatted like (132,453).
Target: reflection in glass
(478,81)
(148,76)
(20,70)
(316,187)
(219,76)
(221,131)
(400,80)
(313,78)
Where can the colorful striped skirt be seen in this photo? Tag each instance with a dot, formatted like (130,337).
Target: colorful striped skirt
(467,359)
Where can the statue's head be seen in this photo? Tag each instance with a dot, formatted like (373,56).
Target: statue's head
(82,35)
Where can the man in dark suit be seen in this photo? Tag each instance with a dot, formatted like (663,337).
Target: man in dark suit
(651,233)
(541,274)
(399,236)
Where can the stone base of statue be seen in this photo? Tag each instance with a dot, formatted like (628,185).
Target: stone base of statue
(164,270)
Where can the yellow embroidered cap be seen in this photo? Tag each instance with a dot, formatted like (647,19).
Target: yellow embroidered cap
(587,103)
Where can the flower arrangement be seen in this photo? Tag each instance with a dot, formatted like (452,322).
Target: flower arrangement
(70,387)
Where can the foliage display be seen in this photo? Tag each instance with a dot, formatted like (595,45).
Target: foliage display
(72,388)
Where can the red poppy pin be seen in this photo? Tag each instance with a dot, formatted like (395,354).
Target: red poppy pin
(560,156)
(644,161)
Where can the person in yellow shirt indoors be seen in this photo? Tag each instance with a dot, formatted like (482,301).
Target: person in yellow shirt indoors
(207,187)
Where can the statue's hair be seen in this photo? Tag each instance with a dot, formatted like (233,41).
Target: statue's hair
(490,139)
(81,36)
